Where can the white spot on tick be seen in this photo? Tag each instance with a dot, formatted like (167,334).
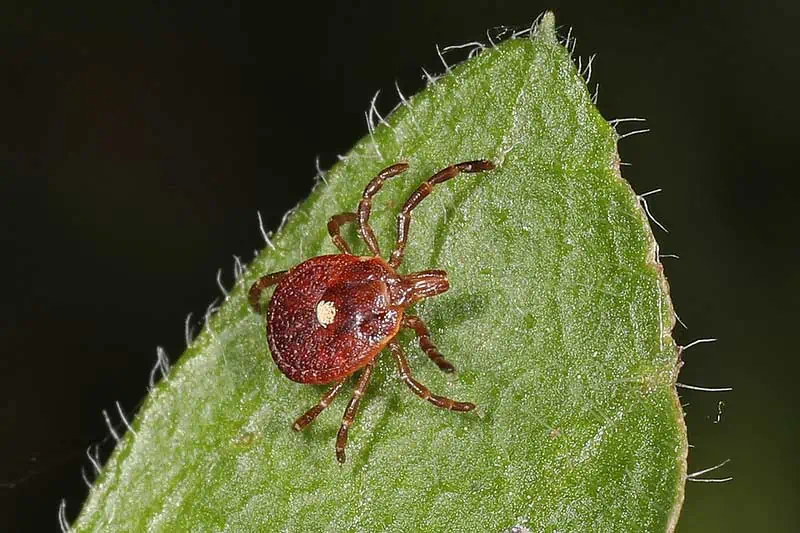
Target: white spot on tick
(326,312)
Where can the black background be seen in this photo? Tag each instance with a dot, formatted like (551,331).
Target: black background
(137,144)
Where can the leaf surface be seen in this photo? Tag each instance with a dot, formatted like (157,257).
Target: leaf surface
(558,320)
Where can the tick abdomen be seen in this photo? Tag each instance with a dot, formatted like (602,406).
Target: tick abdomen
(330,315)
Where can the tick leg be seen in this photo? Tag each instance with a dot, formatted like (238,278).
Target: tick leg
(365,205)
(404,218)
(421,390)
(258,287)
(352,409)
(334,223)
(424,336)
(324,402)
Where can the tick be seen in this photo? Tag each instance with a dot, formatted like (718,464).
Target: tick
(331,315)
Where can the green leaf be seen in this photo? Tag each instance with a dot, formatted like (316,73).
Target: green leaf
(558,319)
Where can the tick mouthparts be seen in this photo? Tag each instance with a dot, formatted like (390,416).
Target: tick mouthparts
(425,284)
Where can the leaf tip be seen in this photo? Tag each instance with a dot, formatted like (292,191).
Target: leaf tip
(546,28)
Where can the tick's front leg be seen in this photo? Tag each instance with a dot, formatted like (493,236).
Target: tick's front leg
(442,402)
(424,336)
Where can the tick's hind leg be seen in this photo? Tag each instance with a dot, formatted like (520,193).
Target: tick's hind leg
(404,218)
(352,409)
(324,402)
(365,205)
(421,390)
(254,295)
(334,223)
(424,336)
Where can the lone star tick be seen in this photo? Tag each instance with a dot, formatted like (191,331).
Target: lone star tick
(332,315)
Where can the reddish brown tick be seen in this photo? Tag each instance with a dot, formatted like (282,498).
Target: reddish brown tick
(332,315)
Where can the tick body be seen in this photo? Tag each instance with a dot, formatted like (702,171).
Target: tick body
(332,315)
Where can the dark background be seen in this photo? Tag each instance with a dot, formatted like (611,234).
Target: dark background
(137,144)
